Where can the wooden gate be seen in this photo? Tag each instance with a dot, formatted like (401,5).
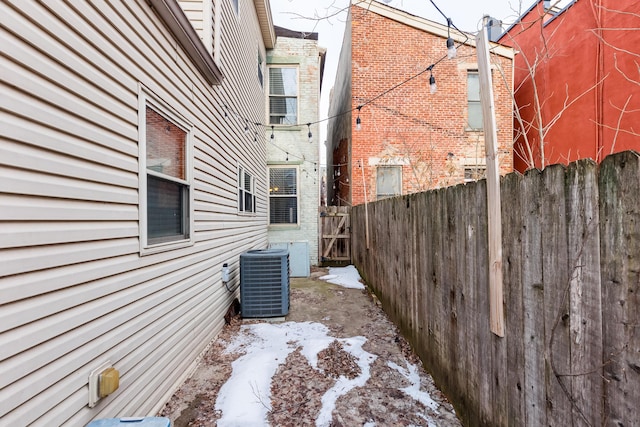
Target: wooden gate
(335,235)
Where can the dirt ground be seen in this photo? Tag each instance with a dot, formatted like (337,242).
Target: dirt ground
(297,388)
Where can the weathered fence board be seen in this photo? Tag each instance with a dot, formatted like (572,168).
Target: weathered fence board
(555,281)
(619,187)
(513,221)
(533,300)
(571,273)
(585,311)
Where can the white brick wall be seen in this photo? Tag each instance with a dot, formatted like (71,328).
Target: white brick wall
(305,54)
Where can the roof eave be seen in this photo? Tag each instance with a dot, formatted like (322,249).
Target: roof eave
(177,22)
(263,9)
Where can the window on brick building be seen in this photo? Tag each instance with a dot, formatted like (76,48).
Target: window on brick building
(388,181)
(165,179)
(474,172)
(283,96)
(474,109)
(246,191)
(283,195)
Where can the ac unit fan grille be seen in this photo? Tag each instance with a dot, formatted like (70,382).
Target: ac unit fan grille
(264,283)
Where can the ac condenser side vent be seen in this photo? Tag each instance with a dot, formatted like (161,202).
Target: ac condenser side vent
(264,283)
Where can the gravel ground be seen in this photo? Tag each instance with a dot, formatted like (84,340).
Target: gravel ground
(297,388)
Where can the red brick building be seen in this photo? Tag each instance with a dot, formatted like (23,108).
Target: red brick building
(410,139)
(577,83)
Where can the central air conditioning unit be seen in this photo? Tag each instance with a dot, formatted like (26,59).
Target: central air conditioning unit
(264,283)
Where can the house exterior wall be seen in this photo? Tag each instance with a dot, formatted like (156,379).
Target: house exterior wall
(339,128)
(291,146)
(426,135)
(75,289)
(584,80)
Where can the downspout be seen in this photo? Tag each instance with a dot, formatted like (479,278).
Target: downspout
(599,101)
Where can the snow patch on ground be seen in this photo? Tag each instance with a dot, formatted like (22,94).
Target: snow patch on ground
(411,374)
(245,399)
(347,277)
(343,385)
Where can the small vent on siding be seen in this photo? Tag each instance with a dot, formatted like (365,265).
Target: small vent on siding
(264,283)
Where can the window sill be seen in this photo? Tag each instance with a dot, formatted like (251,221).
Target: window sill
(480,130)
(164,247)
(284,226)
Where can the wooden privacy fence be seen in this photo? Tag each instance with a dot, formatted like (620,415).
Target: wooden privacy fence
(335,235)
(571,271)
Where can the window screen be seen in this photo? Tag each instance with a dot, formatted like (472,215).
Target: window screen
(283,96)
(473,100)
(283,196)
(167,187)
(246,191)
(388,181)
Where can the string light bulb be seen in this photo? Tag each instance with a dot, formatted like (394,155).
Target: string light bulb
(358,121)
(433,88)
(246,127)
(272,135)
(310,135)
(451,46)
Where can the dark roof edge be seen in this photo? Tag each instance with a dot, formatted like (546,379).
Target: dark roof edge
(178,23)
(293,34)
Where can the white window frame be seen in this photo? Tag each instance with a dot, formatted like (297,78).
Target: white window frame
(261,73)
(242,172)
(268,89)
(476,166)
(297,195)
(145,98)
(477,102)
(388,166)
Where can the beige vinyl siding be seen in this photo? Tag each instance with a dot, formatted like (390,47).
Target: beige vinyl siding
(74,289)
(194,10)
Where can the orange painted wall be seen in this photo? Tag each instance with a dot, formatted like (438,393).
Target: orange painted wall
(581,94)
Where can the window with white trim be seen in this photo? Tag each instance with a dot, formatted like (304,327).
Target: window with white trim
(166,205)
(260,66)
(283,95)
(388,181)
(246,191)
(474,108)
(474,172)
(283,195)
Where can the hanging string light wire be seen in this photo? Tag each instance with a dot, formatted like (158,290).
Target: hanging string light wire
(432,84)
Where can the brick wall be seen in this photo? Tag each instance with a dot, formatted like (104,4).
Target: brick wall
(424,133)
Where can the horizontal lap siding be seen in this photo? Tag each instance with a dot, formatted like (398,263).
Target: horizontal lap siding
(74,291)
